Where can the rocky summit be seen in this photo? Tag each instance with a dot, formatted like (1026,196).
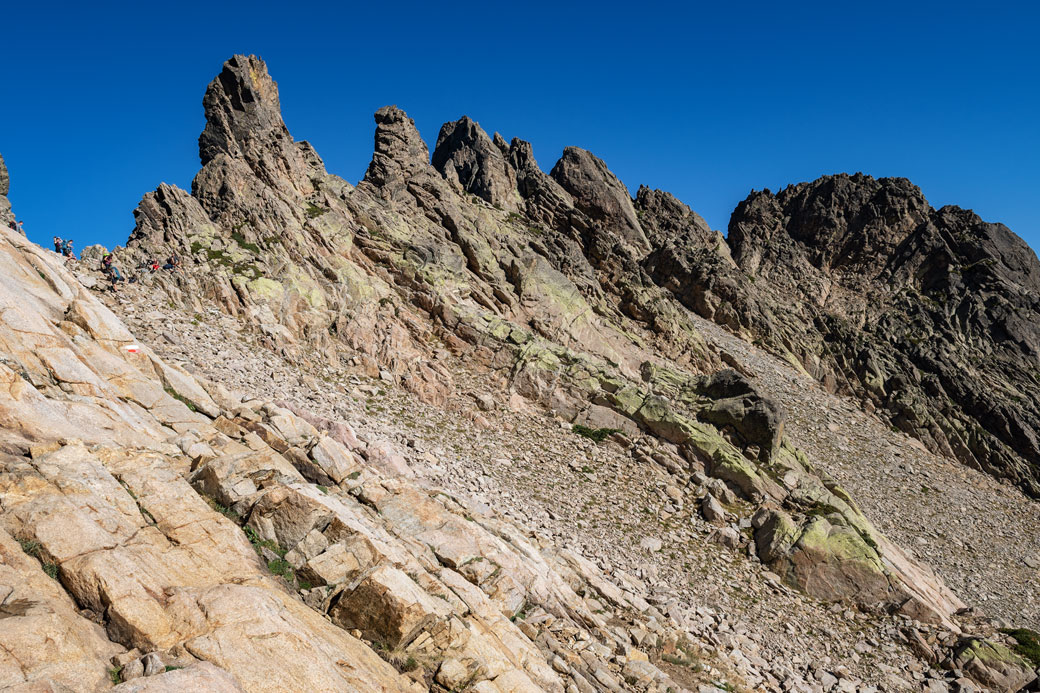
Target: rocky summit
(471,426)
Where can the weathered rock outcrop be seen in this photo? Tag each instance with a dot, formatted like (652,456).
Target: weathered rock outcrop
(930,315)
(466,155)
(599,194)
(557,309)
(6,215)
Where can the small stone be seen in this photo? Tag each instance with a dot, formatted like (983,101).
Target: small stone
(650,544)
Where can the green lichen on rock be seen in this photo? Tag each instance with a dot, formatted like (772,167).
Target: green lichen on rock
(267,289)
(1027,643)
(989,653)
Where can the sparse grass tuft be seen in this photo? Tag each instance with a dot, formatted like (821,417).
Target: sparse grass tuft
(314,211)
(180,398)
(596,434)
(34,549)
(282,568)
(223,510)
(30,547)
(242,243)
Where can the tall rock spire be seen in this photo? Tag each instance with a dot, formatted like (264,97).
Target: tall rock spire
(6,215)
(466,155)
(598,193)
(242,110)
(244,123)
(400,151)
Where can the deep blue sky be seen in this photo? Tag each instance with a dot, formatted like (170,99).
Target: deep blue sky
(100,102)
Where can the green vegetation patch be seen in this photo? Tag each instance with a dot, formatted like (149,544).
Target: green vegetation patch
(1028,646)
(243,243)
(314,211)
(223,510)
(596,434)
(183,400)
(34,549)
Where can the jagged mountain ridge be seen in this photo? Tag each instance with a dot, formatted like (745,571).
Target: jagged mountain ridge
(864,285)
(930,314)
(555,297)
(558,298)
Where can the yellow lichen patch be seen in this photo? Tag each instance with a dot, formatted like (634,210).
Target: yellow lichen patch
(267,289)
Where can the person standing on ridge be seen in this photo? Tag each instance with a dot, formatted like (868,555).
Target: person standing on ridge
(68,251)
(58,245)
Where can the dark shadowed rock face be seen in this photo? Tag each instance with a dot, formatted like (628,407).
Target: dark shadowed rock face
(5,181)
(848,222)
(599,194)
(243,113)
(664,219)
(466,155)
(545,200)
(933,315)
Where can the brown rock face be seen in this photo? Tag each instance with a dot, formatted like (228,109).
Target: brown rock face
(919,311)
(598,193)
(5,180)
(400,152)
(464,153)
(169,217)
(244,119)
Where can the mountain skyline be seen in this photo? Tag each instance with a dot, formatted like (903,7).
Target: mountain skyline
(691,122)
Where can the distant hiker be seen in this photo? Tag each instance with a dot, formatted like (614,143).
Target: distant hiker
(111,271)
(153,265)
(67,250)
(21,226)
(59,245)
(173,263)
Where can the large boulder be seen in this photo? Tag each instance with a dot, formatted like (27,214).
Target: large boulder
(993,665)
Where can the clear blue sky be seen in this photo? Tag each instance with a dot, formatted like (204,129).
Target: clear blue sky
(100,102)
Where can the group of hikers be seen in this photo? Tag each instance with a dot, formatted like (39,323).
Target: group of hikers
(108,264)
(64,247)
(109,269)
